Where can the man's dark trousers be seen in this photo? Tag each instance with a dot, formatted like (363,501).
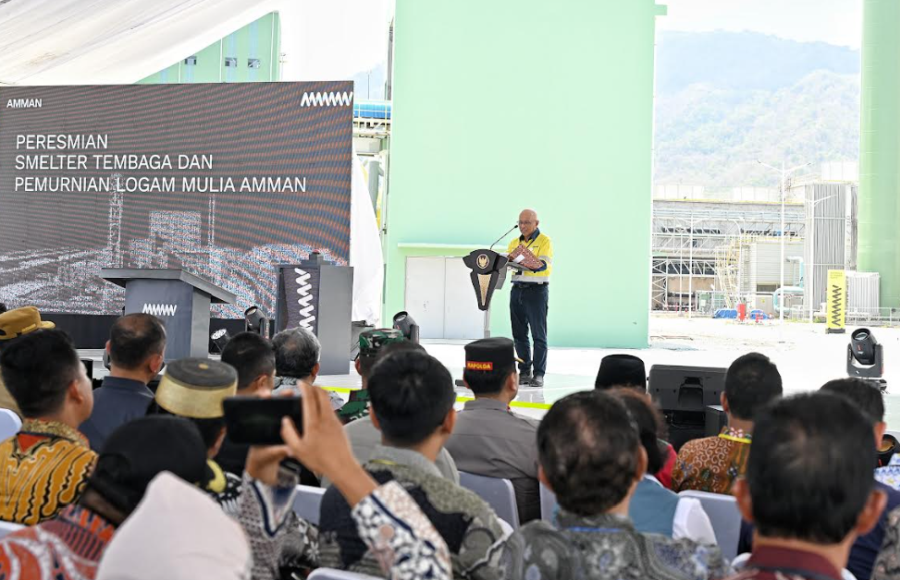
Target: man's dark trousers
(528,309)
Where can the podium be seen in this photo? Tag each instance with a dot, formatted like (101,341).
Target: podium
(488,273)
(178,298)
(318,296)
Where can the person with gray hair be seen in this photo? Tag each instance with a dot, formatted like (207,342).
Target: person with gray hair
(297,353)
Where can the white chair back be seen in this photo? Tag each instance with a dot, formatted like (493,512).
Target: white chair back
(548,504)
(9,424)
(724,516)
(498,493)
(331,574)
(7,528)
(307,502)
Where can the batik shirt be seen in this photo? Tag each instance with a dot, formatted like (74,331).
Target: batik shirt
(67,547)
(224,487)
(604,547)
(389,522)
(887,565)
(464,521)
(43,469)
(713,463)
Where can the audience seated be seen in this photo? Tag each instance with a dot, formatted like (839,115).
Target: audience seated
(364,437)
(808,489)
(194,389)
(69,546)
(626,370)
(653,508)
(412,399)
(621,370)
(870,401)
(253,357)
(297,353)
(136,349)
(177,532)
(13,324)
(489,439)
(713,463)
(591,457)
(46,465)
(203,544)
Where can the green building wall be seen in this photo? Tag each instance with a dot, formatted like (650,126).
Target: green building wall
(503,105)
(879,152)
(260,40)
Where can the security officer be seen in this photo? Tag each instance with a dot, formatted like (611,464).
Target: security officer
(528,300)
(489,439)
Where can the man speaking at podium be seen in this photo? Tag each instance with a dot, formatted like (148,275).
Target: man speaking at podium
(528,299)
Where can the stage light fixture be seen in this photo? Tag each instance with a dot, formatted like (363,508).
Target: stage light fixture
(220,338)
(256,321)
(407,325)
(865,357)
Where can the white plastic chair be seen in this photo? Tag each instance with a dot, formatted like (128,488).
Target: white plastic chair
(7,528)
(331,574)
(307,502)
(548,504)
(498,493)
(9,424)
(725,519)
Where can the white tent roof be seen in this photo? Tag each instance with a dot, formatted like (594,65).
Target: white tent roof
(65,42)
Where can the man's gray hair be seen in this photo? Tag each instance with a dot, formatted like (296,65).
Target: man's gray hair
(296,352)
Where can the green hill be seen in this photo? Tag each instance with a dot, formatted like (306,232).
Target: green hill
(725,100)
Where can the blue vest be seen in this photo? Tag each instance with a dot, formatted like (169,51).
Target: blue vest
(652,508)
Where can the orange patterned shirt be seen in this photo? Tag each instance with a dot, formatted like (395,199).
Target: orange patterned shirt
(43,469)
(712,463)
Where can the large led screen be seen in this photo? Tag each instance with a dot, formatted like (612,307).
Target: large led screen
(222,180)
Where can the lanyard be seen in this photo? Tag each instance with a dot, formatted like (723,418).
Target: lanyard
(595,530)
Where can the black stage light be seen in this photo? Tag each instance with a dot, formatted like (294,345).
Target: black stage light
(256,321)
(405,324)
(865,357)
(220,338)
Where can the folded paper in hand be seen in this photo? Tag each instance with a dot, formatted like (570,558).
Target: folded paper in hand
(523,256)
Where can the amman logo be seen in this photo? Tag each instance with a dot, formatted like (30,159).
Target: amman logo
(24,103)
(160,309)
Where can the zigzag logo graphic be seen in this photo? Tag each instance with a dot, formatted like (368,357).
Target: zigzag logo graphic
(160,309)
(326,99)
(305,299)
(837,303)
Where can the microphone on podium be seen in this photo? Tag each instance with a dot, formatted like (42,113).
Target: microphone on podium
(503,236)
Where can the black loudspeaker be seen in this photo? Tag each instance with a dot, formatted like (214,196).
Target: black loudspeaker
(683,394)
(716,420)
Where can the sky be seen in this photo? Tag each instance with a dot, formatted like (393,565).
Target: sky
(333,40)
(336,39)
(832,21)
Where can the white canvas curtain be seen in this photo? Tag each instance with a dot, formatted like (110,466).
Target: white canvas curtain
(365,250)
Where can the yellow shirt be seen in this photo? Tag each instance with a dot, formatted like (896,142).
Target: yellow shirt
(540,245)
(45,468)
